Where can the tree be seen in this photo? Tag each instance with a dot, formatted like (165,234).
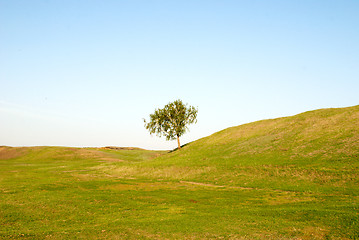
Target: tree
(172,121)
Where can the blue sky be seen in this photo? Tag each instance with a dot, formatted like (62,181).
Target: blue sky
(86,73)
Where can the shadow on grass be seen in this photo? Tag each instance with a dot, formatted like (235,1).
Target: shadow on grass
(182,146)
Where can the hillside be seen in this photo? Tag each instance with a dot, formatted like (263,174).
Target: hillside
(311,138)
(300,152)
(288,178)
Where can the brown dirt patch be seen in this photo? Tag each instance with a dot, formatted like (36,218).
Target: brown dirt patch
(11,152)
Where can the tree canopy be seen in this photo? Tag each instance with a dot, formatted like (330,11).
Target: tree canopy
(172,121)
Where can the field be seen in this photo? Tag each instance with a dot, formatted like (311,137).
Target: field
(286,178)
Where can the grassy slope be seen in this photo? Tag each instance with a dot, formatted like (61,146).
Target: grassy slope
(288,178)
(316,151)
(308,162)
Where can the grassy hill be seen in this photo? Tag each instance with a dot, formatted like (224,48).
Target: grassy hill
(287,178)
(301,152)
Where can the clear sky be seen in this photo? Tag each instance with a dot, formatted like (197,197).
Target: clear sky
(86,72)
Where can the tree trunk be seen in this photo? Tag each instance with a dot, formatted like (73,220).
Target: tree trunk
(178,141)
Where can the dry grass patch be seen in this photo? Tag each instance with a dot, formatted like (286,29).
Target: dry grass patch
(144,186)
(10,152)
(314,233)
(327,176)
(161,172)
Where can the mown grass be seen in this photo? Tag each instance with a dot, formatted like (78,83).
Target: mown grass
(288,178)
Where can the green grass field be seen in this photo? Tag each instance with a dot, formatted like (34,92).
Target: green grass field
(288,178)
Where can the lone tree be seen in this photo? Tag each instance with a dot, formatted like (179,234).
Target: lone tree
(172,120)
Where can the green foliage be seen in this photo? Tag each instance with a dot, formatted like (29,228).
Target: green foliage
(172,121)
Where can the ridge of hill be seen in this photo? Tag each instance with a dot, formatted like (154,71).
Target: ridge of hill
(301,152)
(311,138)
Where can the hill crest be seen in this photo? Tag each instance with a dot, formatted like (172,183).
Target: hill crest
(324,134)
